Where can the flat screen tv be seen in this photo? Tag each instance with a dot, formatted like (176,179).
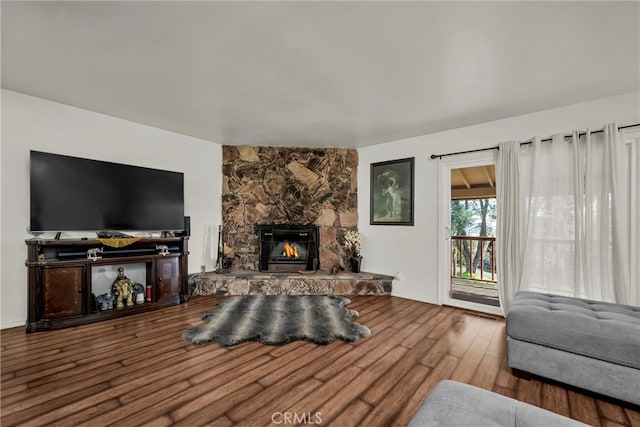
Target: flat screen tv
(76,194)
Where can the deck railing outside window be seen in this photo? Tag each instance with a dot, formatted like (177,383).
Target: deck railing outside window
(473,259)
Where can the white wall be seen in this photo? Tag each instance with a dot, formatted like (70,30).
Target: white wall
(413,251)
(33,123)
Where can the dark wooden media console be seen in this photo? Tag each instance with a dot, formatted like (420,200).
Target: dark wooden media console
(61,293)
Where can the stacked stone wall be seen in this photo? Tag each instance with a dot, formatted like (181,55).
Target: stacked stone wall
(285,185)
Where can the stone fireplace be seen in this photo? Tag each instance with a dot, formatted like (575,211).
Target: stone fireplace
(305,198)
(294,186)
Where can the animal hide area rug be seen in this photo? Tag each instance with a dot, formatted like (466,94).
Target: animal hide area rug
(276,320)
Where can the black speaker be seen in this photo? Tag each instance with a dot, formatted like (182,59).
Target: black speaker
(187,226)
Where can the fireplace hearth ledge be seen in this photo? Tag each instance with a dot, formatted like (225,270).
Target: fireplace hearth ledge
(290,283)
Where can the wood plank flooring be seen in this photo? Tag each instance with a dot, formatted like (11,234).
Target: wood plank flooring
(137,371)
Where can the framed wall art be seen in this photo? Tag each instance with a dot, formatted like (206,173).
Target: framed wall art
(392,192)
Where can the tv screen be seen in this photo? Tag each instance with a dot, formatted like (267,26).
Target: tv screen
(75,194)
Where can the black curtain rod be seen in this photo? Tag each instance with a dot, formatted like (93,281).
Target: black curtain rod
(439,156)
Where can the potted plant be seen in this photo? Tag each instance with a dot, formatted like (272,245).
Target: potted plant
(352,249)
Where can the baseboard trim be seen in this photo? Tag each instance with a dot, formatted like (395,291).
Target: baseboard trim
(12,324)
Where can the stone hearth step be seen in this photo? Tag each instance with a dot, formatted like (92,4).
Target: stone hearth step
(290,283)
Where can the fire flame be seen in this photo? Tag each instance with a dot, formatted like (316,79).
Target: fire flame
(290,251)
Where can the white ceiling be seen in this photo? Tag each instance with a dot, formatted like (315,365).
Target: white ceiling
(345,74)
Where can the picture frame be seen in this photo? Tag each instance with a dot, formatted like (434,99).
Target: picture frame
(391,192)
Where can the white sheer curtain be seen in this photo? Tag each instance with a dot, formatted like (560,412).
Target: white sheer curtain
(508,227)
(631,138)
(570,208)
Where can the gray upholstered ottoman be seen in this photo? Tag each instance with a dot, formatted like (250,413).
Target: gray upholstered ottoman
(587,344)
(455,404)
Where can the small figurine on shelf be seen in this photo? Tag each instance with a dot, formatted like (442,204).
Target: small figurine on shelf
(123,289)
(139,293)
(92,254)
(105,301)
(140,299)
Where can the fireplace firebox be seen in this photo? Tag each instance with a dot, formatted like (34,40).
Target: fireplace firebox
(286,247)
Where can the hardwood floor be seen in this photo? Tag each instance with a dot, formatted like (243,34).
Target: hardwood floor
(138,371)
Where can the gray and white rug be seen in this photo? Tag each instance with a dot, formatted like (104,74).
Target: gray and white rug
(278,320)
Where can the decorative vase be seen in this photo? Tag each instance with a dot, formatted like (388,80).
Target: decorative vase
(354,264)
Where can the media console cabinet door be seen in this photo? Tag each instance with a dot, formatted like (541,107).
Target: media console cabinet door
(62,291)
(169,281)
